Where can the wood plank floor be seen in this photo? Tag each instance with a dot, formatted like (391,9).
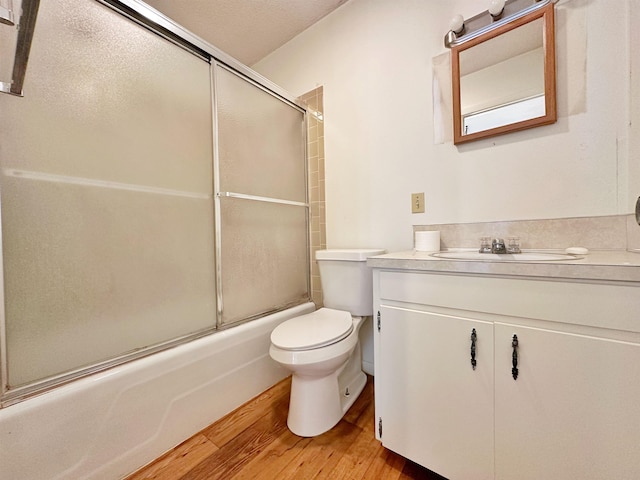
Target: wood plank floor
(253,442)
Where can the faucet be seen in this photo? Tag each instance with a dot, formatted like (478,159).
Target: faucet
(498,246)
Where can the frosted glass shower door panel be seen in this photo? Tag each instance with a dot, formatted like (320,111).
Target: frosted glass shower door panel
(263,200)
(264,257)
(106,190)
(261,143)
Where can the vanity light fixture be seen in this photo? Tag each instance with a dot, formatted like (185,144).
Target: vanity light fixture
(457,24)
(496,8)
(499,13)
(457,29)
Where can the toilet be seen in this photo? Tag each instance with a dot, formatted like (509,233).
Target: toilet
(322,349)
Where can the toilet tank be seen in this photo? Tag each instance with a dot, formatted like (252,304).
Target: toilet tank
(346,280)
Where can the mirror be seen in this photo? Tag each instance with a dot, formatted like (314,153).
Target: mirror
(504,80)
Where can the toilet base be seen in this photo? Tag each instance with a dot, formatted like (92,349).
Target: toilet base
(317,404)
(351,393)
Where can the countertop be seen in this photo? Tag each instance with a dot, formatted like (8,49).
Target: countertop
(600,265)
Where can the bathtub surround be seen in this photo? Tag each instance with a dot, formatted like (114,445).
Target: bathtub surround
(110,424)
(615,232)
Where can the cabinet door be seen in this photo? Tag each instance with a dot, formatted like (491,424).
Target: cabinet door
(573,411)
(435,408)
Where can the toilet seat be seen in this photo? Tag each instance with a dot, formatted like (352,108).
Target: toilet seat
(314,330)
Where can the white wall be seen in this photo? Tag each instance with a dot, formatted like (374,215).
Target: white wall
(373,58)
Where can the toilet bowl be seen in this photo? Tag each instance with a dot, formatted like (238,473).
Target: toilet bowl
(326,378)
(322,349)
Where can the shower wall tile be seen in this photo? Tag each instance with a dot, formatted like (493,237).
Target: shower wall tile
(313,149)
(315,155)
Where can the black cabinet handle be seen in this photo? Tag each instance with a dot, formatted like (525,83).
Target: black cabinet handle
(474,337)
(514,357)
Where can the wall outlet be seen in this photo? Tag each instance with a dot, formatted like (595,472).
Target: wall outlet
(417,202)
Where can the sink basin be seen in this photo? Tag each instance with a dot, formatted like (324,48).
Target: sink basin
(507,257)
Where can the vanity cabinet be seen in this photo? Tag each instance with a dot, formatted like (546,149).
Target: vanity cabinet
(574,410)
(571,412)
(435,409)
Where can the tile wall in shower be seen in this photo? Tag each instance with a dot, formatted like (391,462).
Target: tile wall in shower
(315,149)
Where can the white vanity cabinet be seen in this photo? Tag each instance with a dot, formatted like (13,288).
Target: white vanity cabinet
(436,410)
(573,412)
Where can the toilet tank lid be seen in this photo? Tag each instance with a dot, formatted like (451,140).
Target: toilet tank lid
(349,254)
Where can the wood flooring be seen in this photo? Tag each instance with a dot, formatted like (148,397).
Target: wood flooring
(253,442)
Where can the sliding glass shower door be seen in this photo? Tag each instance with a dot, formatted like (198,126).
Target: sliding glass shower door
(113,242)
(262,200)
(106,190)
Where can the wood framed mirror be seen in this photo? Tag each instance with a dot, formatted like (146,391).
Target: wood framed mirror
(505,79)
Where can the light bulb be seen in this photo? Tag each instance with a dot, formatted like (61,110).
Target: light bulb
(496,7)
(457,24)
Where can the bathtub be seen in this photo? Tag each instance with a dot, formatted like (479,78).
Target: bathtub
(108,425)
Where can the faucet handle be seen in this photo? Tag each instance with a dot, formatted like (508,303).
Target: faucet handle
(513,245)
(485,245)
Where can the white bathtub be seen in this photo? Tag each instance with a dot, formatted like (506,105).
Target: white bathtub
(110,424)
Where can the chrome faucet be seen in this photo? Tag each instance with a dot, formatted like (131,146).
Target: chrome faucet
(498,246)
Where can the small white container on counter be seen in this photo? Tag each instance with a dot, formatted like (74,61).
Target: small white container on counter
(427,241)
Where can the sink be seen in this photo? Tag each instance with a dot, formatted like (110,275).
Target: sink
(508,257)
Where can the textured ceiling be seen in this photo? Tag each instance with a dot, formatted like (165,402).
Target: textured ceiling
(246,29)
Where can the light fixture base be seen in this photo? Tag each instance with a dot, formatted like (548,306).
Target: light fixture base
(484,22)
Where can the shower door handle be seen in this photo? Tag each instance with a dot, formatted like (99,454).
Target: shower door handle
(27,23)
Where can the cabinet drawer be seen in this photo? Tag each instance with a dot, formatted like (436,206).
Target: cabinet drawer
(614,306)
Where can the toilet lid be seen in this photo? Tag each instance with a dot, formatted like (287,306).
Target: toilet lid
(314,330)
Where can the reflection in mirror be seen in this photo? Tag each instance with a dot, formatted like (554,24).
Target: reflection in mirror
(504,80)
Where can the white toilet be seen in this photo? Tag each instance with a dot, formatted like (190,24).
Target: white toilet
(322,348)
